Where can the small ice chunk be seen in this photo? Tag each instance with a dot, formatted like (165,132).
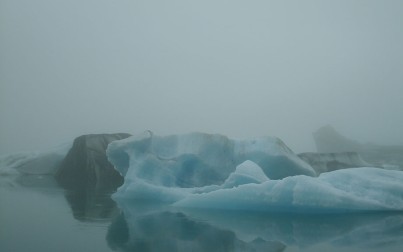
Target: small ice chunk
(245,173)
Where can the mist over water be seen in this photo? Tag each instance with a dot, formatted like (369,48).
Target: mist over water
(280,68)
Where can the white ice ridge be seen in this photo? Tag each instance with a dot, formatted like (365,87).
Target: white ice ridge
(212,171)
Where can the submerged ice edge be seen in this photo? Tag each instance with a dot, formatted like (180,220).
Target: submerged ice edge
(197,158)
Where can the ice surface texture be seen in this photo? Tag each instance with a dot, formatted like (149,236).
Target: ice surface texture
(357,189)
(212,171)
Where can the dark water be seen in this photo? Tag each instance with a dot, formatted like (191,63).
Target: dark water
(37,215)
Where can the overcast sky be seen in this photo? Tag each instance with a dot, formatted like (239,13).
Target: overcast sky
(240,68)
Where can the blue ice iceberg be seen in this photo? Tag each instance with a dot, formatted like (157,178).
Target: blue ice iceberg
(199,159)
(214,172)
(356,189)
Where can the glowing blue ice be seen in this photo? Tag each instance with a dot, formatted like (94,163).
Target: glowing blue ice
(214,172)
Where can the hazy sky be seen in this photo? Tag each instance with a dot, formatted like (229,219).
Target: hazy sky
(241,68)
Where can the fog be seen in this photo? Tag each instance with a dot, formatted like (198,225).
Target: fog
(240,68)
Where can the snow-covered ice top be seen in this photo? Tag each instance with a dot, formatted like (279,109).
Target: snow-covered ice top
(212,171)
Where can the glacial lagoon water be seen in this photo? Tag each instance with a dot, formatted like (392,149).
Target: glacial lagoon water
(38,215)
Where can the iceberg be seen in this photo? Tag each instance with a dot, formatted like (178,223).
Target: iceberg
(34,163)
(348,190)
(325,162)
(171,167)
(203,171)
(245,173)
(86,164)
(199,159)
(327,139)
(76,165)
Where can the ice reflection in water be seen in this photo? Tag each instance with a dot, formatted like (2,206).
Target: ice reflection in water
(91,206)
(142,227)
(135,226)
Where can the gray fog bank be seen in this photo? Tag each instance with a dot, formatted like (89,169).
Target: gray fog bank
(240,68)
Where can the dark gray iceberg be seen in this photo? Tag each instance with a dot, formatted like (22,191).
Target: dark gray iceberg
(326,162)
(86,164)
(328,140)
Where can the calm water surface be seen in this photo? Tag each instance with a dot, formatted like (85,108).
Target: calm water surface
(37,215)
